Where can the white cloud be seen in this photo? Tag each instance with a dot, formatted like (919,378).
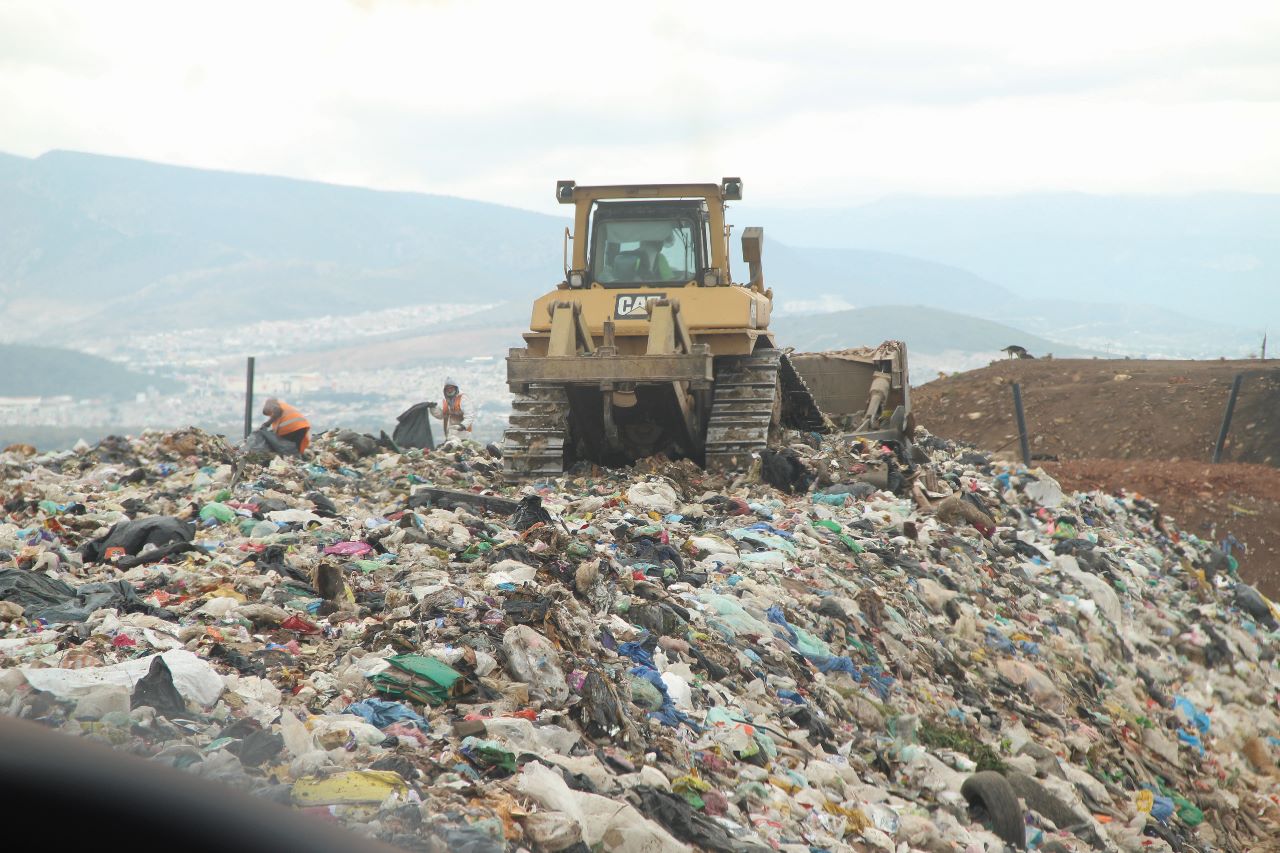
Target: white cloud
(809,102)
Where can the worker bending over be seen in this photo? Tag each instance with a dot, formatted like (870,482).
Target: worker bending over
(288,423)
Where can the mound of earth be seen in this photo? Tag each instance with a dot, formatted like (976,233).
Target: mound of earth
(1110,408)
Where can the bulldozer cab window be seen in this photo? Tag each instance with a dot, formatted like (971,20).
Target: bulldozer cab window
(645,251)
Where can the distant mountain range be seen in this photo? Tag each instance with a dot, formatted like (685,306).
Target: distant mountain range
(923,329)
(31,371)
(107,245)
(94,246)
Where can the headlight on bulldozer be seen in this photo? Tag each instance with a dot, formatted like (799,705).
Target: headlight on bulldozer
(710,277)
(575,279)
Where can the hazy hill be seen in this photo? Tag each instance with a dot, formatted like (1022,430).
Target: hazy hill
(925,330)
(857,277)
(88,240)
(31,371)
(93,246)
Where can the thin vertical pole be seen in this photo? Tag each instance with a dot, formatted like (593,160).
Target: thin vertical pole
(1022,425)
(248,398)
(1226,418)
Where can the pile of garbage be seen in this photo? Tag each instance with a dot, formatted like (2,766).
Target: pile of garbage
(922,651)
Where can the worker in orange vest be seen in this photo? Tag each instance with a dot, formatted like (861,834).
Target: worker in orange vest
(288,423)
(450,408)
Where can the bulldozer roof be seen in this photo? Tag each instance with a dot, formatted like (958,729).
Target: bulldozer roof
(729,189)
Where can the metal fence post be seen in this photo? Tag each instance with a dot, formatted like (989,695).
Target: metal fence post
(1226,418)
(1022,425)
(248,398)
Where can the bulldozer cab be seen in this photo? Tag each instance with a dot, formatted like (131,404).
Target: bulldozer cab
(648,235)
(639,244)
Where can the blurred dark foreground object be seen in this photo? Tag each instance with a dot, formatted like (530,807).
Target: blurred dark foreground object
(123,802)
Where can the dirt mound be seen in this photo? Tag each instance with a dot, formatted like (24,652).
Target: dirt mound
(1141,426)
(1112,408)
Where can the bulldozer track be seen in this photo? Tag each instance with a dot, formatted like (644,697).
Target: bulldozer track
(534,444)
(755,395)
(742,409)
(799,408)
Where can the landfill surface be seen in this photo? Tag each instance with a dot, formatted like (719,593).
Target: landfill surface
(929,651)
(1161,424)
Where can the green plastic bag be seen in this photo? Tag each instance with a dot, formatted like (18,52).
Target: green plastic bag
(489,753)
(219,511)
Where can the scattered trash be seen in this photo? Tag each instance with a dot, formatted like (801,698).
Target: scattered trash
(848,647)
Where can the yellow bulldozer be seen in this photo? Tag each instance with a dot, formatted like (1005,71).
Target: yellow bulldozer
(648,346)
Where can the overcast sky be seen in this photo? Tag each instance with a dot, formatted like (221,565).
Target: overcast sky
(812,104)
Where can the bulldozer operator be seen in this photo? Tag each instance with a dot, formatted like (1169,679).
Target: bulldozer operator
(645,263)
(653,264)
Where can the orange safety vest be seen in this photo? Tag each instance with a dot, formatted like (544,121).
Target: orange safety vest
(291,420)
(452,411)
(454,407)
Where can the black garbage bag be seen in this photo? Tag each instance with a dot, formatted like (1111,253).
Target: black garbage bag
(650,550)
(805,717)
(43,597)
(233,658)
(132,536)
(713,669)
(1026,549)
(601,712)
(34,592)
(323,506)
(529,513)
(399,764)
(660,618)
(1074,547)
(258,748)
(859,490)
(157,690)
(272,559)
(265,441)
(526,609)
(155,555)
(1248,600)
(687,824)
(784,470)
(413,428)
(361,445)
(465,839)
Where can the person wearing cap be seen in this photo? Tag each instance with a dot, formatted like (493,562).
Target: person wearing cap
(287,423)
(450,409)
